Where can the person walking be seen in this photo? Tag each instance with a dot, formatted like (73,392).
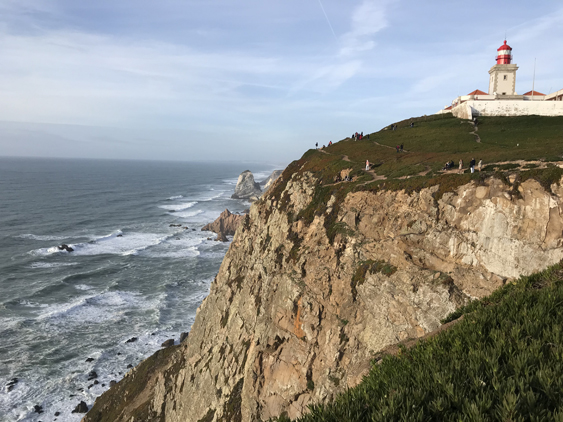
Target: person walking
(367,165)
(397,148)
(460,165)
(480,165)
(402,148)
(472,165)
(317,145)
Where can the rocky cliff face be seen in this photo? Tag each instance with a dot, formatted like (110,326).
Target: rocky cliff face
(225,225)
(301,305)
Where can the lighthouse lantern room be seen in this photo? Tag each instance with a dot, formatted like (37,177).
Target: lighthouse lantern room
(503,74)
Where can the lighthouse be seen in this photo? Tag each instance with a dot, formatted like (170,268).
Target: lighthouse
(502,79)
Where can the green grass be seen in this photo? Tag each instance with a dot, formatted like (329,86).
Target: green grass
(502,362)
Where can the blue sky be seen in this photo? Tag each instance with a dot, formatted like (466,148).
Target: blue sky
(248,80)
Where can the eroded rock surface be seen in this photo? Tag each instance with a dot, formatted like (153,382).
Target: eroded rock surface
(298,309)
(226,223)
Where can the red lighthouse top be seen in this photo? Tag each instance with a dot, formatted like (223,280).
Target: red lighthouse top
(504,54)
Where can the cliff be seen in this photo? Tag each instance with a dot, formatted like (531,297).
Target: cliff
(321,276)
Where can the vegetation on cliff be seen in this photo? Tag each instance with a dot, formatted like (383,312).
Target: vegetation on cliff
(502,361)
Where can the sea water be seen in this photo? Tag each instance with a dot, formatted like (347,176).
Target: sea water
(131,273)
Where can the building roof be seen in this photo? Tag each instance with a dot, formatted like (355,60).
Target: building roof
(477,92)
(505,46)
(534,92)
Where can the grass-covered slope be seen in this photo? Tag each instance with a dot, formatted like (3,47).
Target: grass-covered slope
(503,361)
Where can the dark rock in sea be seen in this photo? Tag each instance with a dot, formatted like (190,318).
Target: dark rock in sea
(57,413)
(90,360)
(11,384)
(80,389)
(81,408)
(208,238)
(65,247)
(175,225)
(90,386)
(168,343)
(193,230)
(129,366)
(103,385)
(38,409)
(132,340)
(96,382)
(183,336)
(112,383)
(72,395)
(119,235)
(185,228)
(92,375)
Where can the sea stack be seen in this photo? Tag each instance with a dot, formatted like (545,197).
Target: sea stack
(246,187)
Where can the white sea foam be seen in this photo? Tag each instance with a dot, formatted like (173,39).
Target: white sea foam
(175,197)
(94,308)
(52,264)
(83,287)
(115,243)
(188,214)
(178,207)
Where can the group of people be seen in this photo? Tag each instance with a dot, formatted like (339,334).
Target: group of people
(399,148)
(450,165)
(394,126)
(359,136)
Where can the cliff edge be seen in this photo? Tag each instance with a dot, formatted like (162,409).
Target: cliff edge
(321,276)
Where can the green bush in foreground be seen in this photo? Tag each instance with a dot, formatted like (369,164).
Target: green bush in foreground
(502,362)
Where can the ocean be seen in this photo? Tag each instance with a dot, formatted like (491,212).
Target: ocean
(131,274)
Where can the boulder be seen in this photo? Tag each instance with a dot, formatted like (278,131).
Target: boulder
(38,409)
(168,343)
(131,340)
(92,375)
(183,336)
(90,360)
(266,183)
(246,187)
(226,224)
(65,247)
(82,407)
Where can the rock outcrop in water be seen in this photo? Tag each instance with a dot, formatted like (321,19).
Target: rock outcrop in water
(265,184)
(300,306)
(225,225)
(246,187)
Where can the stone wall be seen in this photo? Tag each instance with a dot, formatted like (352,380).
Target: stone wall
(470,109)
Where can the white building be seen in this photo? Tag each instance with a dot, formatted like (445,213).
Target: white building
(502,99)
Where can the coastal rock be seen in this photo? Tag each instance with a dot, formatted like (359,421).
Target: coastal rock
(131,340)
(82,407)
(65,247)
(11,384)
(38,409)
(221,237)
(300,306)
(226,224)
(92,375)
(168,343)
(183,336)
(246,187)
(89,359)
(266,183)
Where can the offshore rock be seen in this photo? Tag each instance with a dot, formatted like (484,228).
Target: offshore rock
(301,305)
(226,223)
(246,187)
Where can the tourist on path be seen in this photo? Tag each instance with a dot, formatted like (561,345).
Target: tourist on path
(472,165)
(460,165)
(367,165)
(402,148)
(397,148)
(480,165)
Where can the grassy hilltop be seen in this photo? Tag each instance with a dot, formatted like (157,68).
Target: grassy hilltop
(502,357)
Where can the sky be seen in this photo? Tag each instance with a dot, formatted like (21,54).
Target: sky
(254,80)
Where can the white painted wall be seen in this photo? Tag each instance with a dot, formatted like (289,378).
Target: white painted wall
(508,108)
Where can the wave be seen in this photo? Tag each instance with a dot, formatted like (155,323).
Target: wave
(178,207)
(175,197)
(52,264)
(40,237)
(115,243)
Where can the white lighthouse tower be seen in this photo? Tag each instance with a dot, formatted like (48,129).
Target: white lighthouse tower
(503,74)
